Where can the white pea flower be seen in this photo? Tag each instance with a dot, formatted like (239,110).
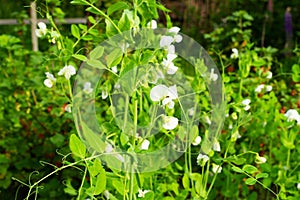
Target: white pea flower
(165,41)
(114,69)
(50,80)
(269,88)
(145,145)
(202,159)
(87,88)
(213,76)
(42,31)
(235,53)
(68,108)
(171,49)
(197,141)
(164,94)
(169,65)
(260,160)
(298,186)
(104,94)
(106,194)
(216,168)
(175,30)
(269,75)
(216,146)
(291,115)
(259,88)
(246,103)
(124,47)
(230,126)
(169,122)
(152,24)
(142,193)
(67,71)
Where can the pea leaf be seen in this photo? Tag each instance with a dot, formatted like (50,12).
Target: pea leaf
(78,2)
(262,175)
(249,169)
(97,52)
(250,181)
(77,147)
(185,181)
(100,183)
(117,6)
(75,31)
(237,169)
(80,57)
(96,63)
(114,57)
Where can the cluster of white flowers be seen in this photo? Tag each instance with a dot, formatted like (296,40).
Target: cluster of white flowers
(166,95)
(246,103)
(292,115)
(167,42)
(42,31)
(261,87)
(67,71)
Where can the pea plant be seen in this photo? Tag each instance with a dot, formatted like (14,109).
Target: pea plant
(154,118)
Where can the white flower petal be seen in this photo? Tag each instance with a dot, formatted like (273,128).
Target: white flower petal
(178,38)
(216,168)
(259,88)
(114,69)
(42,25)
(235,53)
(104,94)
(165,41)
(145,145)
(158,92)
(197,141)
(152,24)
(87,88)
(269,88)
(202,159)
(172,69)
(269,75)
(172,92)
(169,122)
(291,115)
(260,160)
(171,49)
(174,29)
(48,83)
(67,71)
(246,102)
(213,76)
(216,146)
(168,101)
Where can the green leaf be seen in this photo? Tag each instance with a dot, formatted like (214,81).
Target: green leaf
(185,181)
(250,169)
(77,147)
(95,168)
(79,2)
(69,188)
(250,181)
(58,140)
(117,6)
(262,175)
(118,185)
(237,169)
(75,31)
(124,23)
(96,53)
(93,10)
(93,139)
(100,183)
(96,63)
(92,19)
(114,57)
(110,28)
(80,57)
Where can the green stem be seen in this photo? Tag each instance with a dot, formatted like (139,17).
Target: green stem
(82,182)
(104,15)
